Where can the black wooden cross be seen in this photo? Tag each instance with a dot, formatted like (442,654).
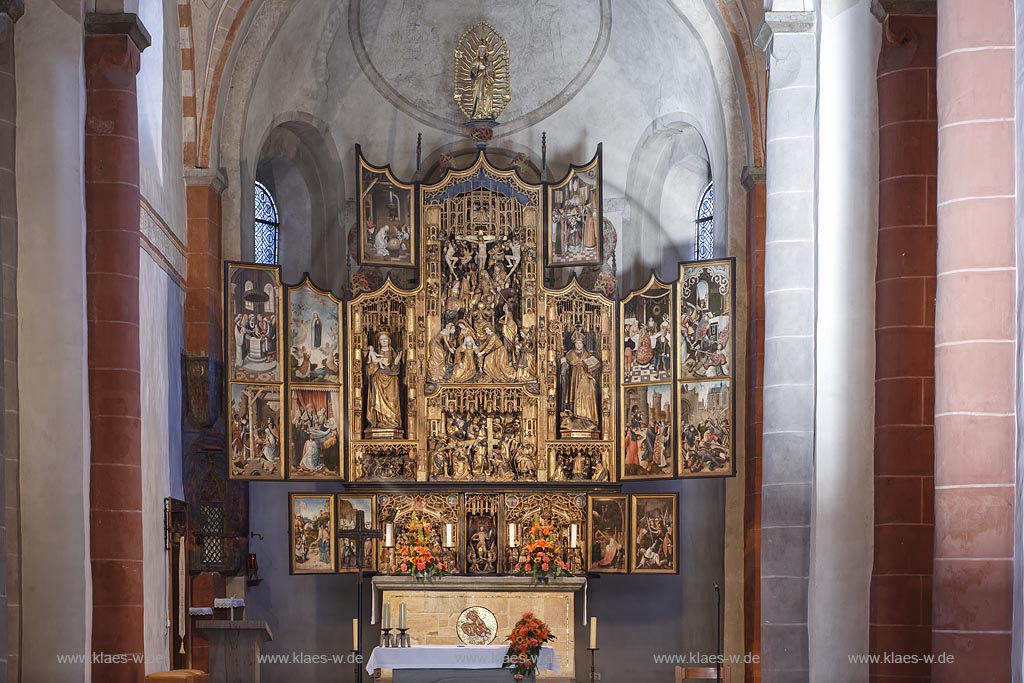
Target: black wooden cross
(359,535)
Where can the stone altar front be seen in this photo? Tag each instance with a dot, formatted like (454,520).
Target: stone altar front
(433,606)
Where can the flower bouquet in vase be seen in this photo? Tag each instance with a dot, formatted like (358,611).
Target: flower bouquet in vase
(417,552)
(541,556)
(527,637)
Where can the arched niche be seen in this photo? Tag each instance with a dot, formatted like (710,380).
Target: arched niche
(669,170)
(299,164)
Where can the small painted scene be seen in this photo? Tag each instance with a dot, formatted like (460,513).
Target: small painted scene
(312,533)
(705,414)
(575,221)
(313,333)
(654,534)
(647,337)
(607,546)
(254,304)
(348,506)
(315,417)
(705,321)
(647,432)
(255,431)
(386,212)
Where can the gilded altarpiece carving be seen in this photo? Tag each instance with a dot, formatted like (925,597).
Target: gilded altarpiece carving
(384,373)
(480,375)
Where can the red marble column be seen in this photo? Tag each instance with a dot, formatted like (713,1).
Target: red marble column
(203,297)
(975,342)
(754,182)
(112,54)
(901,581)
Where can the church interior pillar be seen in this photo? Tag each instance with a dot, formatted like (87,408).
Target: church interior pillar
(975,342)
(788,394)
(847,211)
(754,182)
(10,12)
(901,582)
(203,283)
(112,52)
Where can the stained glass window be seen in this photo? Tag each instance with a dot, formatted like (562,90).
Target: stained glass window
(267,227)
(704,244)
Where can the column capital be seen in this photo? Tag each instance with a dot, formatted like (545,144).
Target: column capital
(883,9)
(214,178)
(122,23)
(14,9)
(783,22)
(752,175)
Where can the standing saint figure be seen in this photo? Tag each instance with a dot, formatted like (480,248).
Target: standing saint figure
(482,74)
(317,331)
(578,366)
(383,408)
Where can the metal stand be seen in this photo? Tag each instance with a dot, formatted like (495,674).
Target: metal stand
(592,651)
(718,635)
(386,639)
(355,662)
(358,535)
(403,638)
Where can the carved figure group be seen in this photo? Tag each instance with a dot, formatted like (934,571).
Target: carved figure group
(482,447)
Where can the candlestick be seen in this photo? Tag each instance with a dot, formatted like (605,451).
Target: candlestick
(355,635)
(593,651)
(593,633)
(389,535)
(401,616)
(403,638)
(386,638)
(512,535)
(573,535)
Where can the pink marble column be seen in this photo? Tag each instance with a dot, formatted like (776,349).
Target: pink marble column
(974,342)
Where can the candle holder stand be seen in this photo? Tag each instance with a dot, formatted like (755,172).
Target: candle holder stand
(386,639)
(593,650)
(403,638)
(355,662)
(511,558)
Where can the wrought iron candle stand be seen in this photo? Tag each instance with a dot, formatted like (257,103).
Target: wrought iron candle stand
(593,650)
(403,638)
(356,663)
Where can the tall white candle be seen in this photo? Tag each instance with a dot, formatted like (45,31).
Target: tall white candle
(355,635)
(385,621)
(389,535)
(511,534)
(574,530)
(593,633)
(401,615)
(449,535)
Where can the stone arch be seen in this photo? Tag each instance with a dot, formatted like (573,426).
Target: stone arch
(669,169)
(299,163)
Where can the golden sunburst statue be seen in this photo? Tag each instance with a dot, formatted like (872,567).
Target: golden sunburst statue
(481,73)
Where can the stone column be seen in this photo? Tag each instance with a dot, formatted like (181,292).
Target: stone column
(905,338)
(975,342)
(844,346)
(113,44)
(10,565)
(754,181)
(789,338)
(203,294)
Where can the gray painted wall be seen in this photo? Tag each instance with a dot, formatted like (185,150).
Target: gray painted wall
(639,616)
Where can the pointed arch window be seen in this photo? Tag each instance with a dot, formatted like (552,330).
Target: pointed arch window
(267,227)
(704,241)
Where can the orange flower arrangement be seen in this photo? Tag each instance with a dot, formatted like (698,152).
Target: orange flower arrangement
(541,556)
(416,551)
(527,637)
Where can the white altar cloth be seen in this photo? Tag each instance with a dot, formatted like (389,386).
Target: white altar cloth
(451,657)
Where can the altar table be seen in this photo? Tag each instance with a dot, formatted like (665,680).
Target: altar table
(436,663)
